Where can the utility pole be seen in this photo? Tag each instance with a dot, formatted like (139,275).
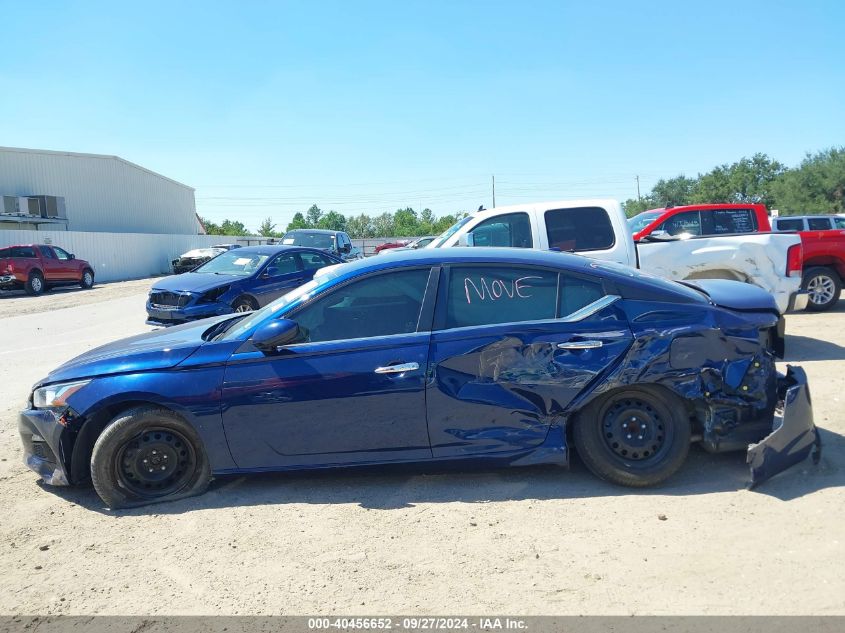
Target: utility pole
(638,187)
(494,190)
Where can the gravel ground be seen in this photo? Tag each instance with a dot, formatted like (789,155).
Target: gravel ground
(418,540)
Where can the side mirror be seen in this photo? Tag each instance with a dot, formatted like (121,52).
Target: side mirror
(270,336)
(346,248)
(466,239)
(72,256)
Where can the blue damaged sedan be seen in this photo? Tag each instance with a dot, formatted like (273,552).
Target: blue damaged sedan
(238,280)
(508,355)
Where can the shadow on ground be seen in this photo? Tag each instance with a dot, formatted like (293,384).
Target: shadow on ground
(804,348)
(394,487)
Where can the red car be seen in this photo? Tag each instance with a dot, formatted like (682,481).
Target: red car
(389,245)
(36,267)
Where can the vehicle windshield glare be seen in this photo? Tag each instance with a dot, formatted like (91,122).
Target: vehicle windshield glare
(449,232)
(233,263)
(642,220)
(282,302)
(314,240)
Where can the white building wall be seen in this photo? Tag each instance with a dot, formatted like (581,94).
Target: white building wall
(118,256)
(102,193)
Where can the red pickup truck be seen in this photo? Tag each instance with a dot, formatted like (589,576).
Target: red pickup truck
(36,267)
(824,250)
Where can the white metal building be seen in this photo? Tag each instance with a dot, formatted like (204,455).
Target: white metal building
(47,190)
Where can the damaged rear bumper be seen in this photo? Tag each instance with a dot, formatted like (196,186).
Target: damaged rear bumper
(794,435)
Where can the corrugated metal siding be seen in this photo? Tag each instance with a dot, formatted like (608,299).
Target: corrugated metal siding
(118,256)
(102,193)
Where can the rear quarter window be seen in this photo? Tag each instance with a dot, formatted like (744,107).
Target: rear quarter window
(579,229)
(726,221)
(794,224)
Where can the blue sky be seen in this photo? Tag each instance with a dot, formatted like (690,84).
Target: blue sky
(267,107)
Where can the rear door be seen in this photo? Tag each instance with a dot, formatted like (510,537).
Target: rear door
(512,347)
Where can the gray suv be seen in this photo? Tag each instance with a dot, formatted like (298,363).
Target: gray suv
(335,242)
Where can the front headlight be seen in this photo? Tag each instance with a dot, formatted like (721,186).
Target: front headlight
(55,396)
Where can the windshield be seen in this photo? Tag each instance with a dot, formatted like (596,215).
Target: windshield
(642,220)
(274,308)
(314,240)
(449,232)
(233,263)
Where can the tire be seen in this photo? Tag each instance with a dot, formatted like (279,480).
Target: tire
(35,283)
(823,287)
(142,439)
(640,457)
(244,304)
(87,281)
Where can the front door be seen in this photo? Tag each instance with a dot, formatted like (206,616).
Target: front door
(281,274)
(352,390)
(512,348)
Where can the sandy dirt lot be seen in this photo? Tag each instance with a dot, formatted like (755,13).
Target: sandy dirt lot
(420,540)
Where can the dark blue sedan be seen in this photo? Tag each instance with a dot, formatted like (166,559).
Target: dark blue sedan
(239,280)
(510,355)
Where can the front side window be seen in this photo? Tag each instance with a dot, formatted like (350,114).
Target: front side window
(281,265)
(795,224)
(818,224)
(688,222)
(579,229)
(485,295)
(839,223)
(512,229)
(380,305)
(61,253)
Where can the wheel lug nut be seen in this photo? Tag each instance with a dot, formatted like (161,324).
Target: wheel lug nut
(640,437)
(162,467)
(630,436)
(145,461)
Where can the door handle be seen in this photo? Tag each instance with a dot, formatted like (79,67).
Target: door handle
(592,344)
(397,369)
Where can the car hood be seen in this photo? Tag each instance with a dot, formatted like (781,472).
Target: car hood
(735,295)
(195,282)
(160,349)
(202,252)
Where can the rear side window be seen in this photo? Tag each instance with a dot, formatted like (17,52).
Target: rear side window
(818,224)
(686,223)
(4,253)
(579,229)
(790,225)
(313,261)
(511,229)
(485,295)
(576,293)
(724,221)
(22,251)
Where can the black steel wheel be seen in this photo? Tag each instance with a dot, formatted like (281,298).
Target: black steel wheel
(156,462)
(637,436)
(148,454)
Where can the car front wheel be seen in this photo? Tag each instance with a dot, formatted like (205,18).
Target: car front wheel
(87,280)
(634,437)
(146,455)
(244,304)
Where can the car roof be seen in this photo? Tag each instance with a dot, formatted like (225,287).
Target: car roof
(272,249)
(324,231)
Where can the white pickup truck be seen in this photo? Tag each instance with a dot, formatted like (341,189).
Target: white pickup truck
(598,229)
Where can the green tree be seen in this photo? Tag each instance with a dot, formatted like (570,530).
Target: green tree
(360,226)
(333,221)
(383,225)
(210,227)
(298,222)
(817,185)
(633,207)
(233,227)
(747,180)
(673,192)
(312,216)
(267,228)
(427,221)
(406,223)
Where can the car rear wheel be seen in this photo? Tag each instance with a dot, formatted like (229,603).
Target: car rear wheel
(823,287)
(244,304)
(146,455)
(35,283)
(634,437)
(87,280)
